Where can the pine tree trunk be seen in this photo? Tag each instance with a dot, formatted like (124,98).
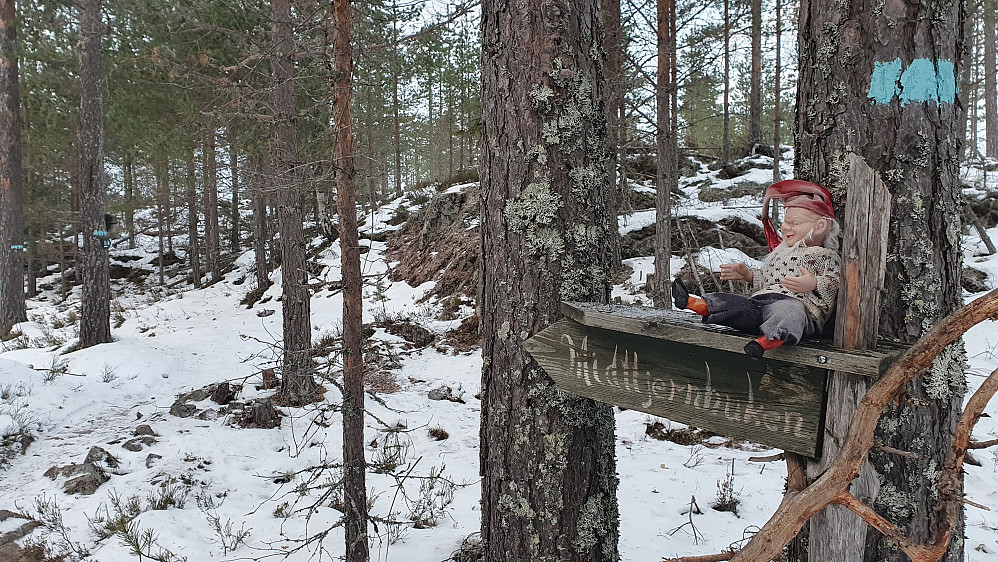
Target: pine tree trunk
(129,203)
(547,458)
(862,93)
(990,7)
(966,75)
(234,173)
(12,307)
(755,81)
(213,262)
(777,90)
(95,307)
(396,70)
(259,224)
(297,385)
(193,246)
(354,465)
(160,221)
(614,101)
(667,153)
(34,262)
(727,82)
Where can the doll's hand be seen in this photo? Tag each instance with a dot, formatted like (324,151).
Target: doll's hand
(804,283)
(736,272)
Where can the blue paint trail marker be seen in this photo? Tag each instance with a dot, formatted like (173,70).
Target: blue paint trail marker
(923,81)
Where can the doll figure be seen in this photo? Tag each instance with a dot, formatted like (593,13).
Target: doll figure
(796,286)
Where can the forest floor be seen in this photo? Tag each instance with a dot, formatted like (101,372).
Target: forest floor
(205,488)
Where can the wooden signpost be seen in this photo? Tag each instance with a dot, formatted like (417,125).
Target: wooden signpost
(666,364)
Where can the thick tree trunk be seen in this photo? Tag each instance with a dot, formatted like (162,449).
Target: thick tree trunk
(990,7)
(755,80)
(667,153)
(193,246)
(259,224)
(95,306)
(213,262)
(354,465)
(863,95)
(12,307)
(547,458)
(297,385)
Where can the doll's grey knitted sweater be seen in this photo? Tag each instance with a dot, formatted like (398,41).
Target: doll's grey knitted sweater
(786,261)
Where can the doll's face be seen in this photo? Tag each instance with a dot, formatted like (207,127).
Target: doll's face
(798,223)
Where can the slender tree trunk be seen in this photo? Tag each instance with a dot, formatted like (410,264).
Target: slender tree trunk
(210,195)
(905,132)
(547,458)
(234,174)
(193,245)
(666,152)
(34,261)
(990,7)
(160,221)
(12,307)
(755,82)
(396,70)
(966,75)
(777,90)
(129,202)
(168,205)
(259,224)
(727,82)
(614,99)
(354,466)
(297,385)
(95,308)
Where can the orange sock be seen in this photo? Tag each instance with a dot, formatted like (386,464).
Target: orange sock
(698,305)
(767,343)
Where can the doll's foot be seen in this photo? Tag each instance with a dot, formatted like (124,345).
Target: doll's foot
(680,294)
(760,345)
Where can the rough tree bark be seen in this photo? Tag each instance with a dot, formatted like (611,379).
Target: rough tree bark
(727,81)
(95,306)
(777,153)
(547,458)
(297,385)
(867,89)
(213,262)
(354,465)
(12,307)
(667,152)
(989,8)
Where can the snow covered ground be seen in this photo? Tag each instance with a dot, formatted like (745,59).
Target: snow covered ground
(259,482)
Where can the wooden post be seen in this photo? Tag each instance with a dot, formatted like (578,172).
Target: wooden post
(836,533)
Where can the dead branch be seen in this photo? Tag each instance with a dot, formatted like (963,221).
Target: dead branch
(706,558)
(798,507)
(982,444)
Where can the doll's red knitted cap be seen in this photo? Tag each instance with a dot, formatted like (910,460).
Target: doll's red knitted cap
(795,193)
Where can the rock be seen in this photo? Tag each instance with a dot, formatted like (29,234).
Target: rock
(83,478)
(139,443)
(265,313)
(974,280)
(98,456)
(6,514)
(444,393)
(411,332)
(151,459)
(182,409)
(144,429)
